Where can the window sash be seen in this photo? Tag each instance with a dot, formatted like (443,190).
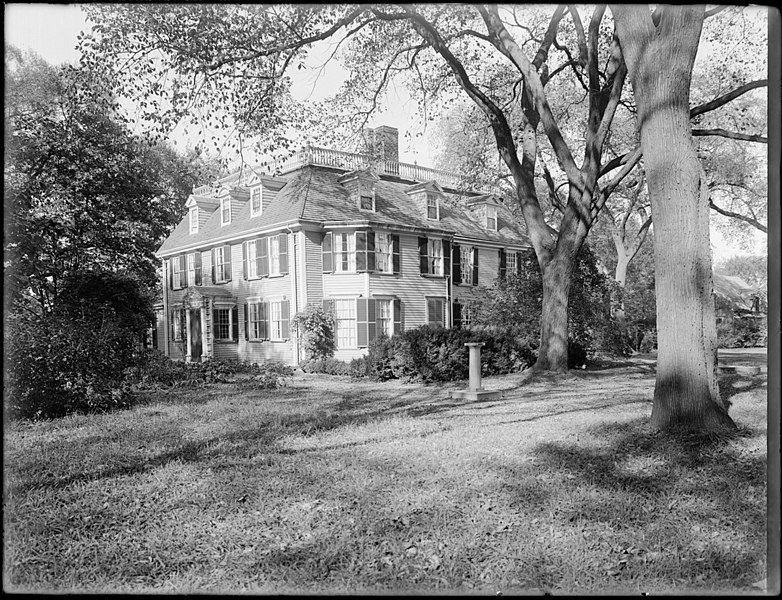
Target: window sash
(344,253)
(435,309)
(180,274)
(275,308)
(222,323)
(222,270)
(366,202)
(432,208)
(252,259)
(256,322)
(193,219)
(510,262)
(384,250)
(256,206)
(274,255)
(225,210)
(384,316)
(178,320)
(435,256)
(465,262)
(491,217)
(345,323)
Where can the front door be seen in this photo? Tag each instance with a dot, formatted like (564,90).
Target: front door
(195,335)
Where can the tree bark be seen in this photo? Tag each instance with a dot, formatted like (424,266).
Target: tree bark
(686,395)
(553,352)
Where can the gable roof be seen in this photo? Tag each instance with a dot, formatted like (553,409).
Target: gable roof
(314,194)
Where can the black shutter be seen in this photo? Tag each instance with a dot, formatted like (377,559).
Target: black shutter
(198,279)
(371,258)
(245,258)
(227,256)
(362,333)
(283,254)
(235,323)
(395,254)
(457,315)
(214,271)
(446,257)
(423,255)
(246,321)
(327,254)
(170,273)
(457,263)
(183,268)
(475,266)
(503,263)
(263,317)
(263,262)
(397,316)
(361,251)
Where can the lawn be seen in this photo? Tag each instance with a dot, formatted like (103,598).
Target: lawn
(338,486)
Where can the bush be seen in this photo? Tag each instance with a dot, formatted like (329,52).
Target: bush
(742,333)
(315,328)
(268,376)
(328,366)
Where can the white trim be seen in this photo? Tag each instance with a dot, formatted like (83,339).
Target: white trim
(225,199)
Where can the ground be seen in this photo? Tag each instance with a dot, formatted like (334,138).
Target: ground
(335,485)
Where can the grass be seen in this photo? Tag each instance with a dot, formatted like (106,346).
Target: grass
(339,486)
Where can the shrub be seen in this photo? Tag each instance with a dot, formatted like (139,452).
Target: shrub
(328,366)
(742,333)
(315,328)
(268,376)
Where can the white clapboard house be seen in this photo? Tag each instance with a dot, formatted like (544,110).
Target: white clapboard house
(387,246)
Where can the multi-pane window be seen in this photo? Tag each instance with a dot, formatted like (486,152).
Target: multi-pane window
(193,214)
(465,264)
(435,311)
(384,316)
(252,259)
(193,269)
(384,253)
(466,316)
(256,321)
(274,255)
(256,206)
(366,202)
(225,210)
(432,207)
(510,263)
(222,323)
(344,253)
(178,325)
(275,308)
(222,265)
(491,217)
(436,257)
(178,272)
(345,320)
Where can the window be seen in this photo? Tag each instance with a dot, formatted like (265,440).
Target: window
(345,319)
(435,311)
(256,321)
(252,259)
(465,264)
(178,325)
(178,273)
(491,217)
(384,316)
(225,210)
(193,214)
(344,253)
(256,201)
(510,263)
(432,207)
(276,320)
(222,264)
(436,257)
(384,253)
(194,268)
(274,255)
(466,316)
(222,323)
(366,203)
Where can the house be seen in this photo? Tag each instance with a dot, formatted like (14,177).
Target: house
(387,246)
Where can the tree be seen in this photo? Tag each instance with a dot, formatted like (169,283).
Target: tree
(686,394)
(82,193)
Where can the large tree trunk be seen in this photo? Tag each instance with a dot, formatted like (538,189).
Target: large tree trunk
(553,354)
(686,395)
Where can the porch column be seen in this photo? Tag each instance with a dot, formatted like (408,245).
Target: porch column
(188,340)
(205,347)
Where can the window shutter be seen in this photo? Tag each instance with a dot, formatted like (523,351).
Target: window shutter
(170,273)
(371,259)
(519,265)
(503,263)
(423,255)
(198,280)
(285,317)
(246,321)
(283,255)
(361,322)
(263,317)
(457,315)
(214,271)
(327,254)
(371,320)
(183,268)
(172,336)
(446,257)
(397,315)
(235,323)
(361,251)
(475,266)
(395,254)
(456,252)
(263,255)
(244,260)
(227,255)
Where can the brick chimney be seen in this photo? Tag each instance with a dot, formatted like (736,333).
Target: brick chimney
(382,142)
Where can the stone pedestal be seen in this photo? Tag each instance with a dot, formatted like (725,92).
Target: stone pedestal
(474,390)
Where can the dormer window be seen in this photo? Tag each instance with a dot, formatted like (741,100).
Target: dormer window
(225,210)
(256,201)
(366,202)
(193,214)
(432,207)
(491,217)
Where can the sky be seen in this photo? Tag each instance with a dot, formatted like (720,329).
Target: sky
(51,31)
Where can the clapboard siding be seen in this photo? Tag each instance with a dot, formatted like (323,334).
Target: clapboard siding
(314,267)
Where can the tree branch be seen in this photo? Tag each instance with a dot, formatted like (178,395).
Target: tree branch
(734,135)
(734,215)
